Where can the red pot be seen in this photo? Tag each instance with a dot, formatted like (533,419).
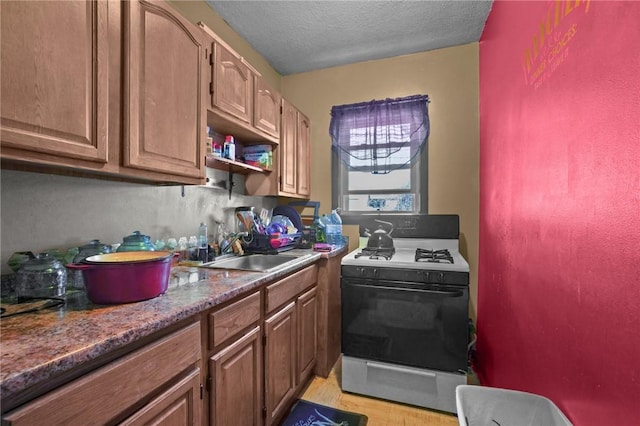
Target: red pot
(125,277)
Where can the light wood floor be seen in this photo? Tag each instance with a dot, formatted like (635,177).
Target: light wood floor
(380,413)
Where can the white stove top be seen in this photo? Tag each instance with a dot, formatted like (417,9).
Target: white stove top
(404,256)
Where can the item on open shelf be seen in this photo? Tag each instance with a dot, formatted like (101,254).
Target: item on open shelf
(229,148)
(258,155)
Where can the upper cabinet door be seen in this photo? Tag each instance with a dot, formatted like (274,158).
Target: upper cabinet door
(266,109)
(164,90)
(54,58)
(232,84)
(287,149)
(304,155)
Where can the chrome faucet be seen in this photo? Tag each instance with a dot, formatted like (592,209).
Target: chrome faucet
(232,240)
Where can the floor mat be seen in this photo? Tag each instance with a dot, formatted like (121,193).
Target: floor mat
(305,413)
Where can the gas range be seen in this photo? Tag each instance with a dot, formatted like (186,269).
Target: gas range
(405,317)
(405,251)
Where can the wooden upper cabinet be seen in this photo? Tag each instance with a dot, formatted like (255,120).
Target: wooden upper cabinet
(55,78)
(287,149)
(232,90)
(266,109)
(292,176)
(303,132)
(164,90)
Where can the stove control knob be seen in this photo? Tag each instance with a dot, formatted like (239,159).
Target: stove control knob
(440,278)
(423,276)
(375,273)
(361,272)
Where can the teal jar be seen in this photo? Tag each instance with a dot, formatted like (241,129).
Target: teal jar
(136,242)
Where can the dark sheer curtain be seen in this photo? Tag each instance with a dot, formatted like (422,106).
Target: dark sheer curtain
(381,135)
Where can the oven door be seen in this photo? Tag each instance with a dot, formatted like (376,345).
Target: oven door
(414,324)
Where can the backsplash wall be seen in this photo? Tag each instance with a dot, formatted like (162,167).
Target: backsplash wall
(42,211)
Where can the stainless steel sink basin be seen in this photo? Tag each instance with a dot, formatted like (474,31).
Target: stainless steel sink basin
(254,262)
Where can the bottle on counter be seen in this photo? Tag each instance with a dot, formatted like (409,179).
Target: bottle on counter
(203,243)
(336,227)
(192,248)
(322,235)
(229,148)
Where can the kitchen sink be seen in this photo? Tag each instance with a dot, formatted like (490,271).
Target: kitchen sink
(255,262)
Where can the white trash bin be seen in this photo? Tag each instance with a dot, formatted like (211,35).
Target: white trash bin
(486,406)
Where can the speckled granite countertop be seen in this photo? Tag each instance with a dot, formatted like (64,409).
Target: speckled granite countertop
(38,346)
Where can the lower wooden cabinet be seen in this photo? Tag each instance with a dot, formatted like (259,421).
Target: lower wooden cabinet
(236,389)
(291,330)
(262,349)
(156,384)
(280,361)
(290,353)
(329,314)
(307,316)
(179,405)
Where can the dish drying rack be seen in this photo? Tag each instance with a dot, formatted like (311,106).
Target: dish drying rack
(271,244)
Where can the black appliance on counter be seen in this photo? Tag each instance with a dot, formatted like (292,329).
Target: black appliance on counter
(405,312)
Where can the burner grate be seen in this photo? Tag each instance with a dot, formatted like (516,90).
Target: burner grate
(434,256)
(376,253)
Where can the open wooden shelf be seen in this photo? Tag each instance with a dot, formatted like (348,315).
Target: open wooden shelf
(232,166)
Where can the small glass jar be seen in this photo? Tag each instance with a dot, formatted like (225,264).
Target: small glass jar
(41,277)
(136,242)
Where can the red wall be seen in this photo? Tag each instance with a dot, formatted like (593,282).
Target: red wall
(559,274)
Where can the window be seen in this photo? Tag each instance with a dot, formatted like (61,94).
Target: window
(379,160)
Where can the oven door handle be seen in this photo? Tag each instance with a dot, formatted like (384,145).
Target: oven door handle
(400,369)
(446,293)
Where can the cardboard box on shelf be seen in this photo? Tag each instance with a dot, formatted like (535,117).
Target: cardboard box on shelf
(258,155)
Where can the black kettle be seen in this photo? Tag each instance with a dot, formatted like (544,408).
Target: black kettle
(380,239)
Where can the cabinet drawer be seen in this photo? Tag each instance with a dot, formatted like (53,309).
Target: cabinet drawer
(232,319)
(109,391)
(289,287)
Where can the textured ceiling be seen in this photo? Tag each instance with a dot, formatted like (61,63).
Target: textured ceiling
(299,36)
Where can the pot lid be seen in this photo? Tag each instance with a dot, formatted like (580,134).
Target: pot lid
(92,248)
(136,242)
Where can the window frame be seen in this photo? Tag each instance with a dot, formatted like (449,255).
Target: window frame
(340,187)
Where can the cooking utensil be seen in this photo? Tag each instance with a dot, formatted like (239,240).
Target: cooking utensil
(258,225)
(265,216)
(245,220)
(125,277)
(380,239)
(8,310)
